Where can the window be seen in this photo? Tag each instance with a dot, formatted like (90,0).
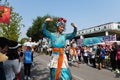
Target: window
(90,30)
(118,26)
(104,27)
(99,28)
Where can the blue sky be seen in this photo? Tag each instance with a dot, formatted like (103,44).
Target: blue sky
(84,13)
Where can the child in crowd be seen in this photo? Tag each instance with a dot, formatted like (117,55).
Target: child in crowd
(27,62)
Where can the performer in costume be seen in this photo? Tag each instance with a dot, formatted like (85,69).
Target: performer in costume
(58,62)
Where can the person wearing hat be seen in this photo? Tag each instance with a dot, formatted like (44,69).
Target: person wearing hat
(28,60)
(3,49)
(12,66)
(58,63)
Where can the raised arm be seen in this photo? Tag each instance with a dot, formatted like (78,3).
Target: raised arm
(44,30)
(72,35)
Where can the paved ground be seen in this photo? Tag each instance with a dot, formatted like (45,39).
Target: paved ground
(40,71)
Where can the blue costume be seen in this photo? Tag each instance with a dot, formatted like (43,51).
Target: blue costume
(58,41)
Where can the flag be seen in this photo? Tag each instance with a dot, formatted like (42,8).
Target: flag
(4,14)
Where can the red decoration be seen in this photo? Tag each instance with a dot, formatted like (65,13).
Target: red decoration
(62,19)
(4,14)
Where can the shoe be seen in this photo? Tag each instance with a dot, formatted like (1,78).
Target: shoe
(117,71)
(29,78)
(25,77)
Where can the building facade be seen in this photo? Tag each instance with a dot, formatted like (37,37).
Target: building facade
(112,28)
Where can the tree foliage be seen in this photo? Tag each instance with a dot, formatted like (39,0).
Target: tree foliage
(23,40)
(12,30)
(35,30)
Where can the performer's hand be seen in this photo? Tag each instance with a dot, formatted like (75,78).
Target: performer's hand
(73,25)
(48,19)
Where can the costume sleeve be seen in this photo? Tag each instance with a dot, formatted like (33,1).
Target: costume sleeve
(71,35)
(45,31)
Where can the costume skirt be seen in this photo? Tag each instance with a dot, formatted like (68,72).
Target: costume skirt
(64,74)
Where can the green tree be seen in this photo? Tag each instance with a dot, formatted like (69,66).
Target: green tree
(35,30)
(23,40)
(12,30)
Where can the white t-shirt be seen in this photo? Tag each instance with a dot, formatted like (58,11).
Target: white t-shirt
(85,53)
(11,67)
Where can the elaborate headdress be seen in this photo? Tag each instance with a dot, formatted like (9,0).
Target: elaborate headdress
(61,21)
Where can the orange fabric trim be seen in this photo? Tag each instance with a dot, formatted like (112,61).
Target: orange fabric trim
(60,60)
(74,51)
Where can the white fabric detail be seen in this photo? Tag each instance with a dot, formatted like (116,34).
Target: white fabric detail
(54,61)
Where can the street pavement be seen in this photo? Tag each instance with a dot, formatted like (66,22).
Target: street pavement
(40,70)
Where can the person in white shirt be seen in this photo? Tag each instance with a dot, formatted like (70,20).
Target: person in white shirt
(12,66)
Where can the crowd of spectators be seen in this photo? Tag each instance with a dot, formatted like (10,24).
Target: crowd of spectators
(98,56)
(12,54)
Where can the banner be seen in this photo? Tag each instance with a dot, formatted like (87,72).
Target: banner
(92,40)
(4,14)
(95,40)
(110,38)
(80,42)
